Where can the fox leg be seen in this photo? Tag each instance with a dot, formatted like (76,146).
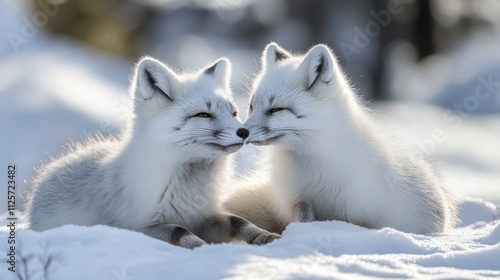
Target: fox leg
(173,234)
(225,228)
(304,212)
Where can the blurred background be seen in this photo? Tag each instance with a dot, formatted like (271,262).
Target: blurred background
(431,68)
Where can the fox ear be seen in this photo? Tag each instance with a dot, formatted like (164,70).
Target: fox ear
(272,54)
(220,70)
(317,66)
(153,77)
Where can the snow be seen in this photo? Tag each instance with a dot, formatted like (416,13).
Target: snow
(307,250)
(468,153)
(84,92)
(450,79)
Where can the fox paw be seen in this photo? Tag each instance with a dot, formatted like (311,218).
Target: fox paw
(264,238)
(191,241)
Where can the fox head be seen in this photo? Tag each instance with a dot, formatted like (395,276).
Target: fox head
(191,113)
(295,98)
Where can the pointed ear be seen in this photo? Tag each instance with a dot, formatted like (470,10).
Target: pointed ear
(220,70)
(153,77)
(272,54)
(317,66)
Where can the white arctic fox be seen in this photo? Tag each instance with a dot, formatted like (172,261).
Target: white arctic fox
(162,176)
(328,160)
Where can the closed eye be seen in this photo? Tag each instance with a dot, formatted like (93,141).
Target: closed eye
(202,115)
(277,109)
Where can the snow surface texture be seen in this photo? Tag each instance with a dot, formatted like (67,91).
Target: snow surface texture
(83,92)
(315,250)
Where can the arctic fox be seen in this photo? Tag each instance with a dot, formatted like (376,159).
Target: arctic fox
(328,159)
(162,176)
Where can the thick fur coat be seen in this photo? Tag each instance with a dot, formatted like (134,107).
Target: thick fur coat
(329,160)
(163,175)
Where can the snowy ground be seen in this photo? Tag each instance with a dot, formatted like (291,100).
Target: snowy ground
(468,153)
(316,250)
(55,90)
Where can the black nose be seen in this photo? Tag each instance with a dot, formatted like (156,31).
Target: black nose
(243,133)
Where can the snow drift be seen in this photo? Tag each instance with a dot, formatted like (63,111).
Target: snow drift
(315,250)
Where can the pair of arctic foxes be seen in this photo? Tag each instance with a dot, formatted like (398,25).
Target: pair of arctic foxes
(164,175)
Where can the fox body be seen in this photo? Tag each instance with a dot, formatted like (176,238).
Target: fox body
(162,175)
(328,159)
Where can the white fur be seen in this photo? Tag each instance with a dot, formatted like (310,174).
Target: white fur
(326,151)
(160,170)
